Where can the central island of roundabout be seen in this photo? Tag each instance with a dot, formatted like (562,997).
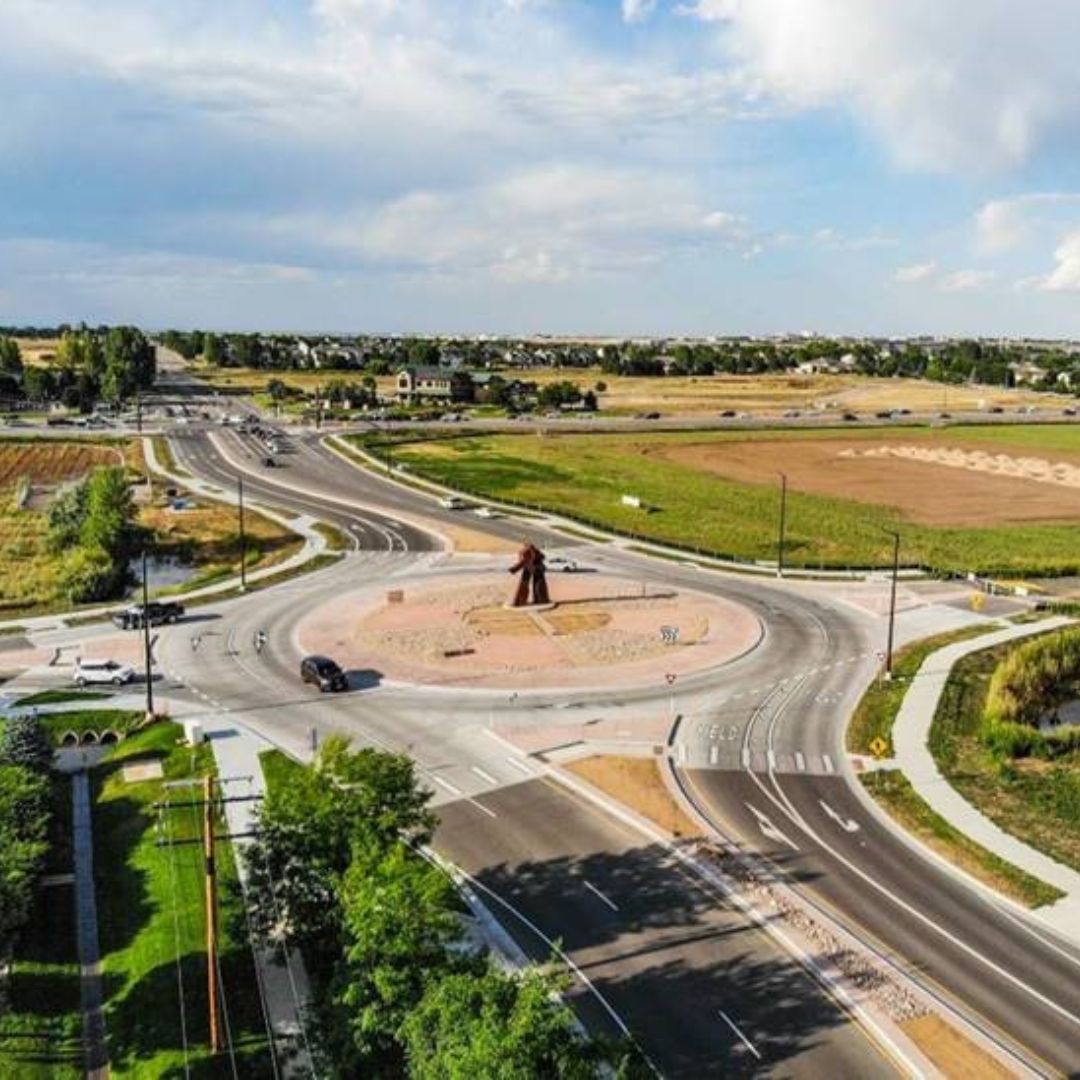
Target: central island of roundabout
(460,630)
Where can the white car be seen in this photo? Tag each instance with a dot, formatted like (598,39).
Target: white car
(102,671)
(452,502)
(484,512)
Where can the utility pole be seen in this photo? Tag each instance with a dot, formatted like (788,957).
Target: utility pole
(783,523)
(138,412)
(147,657)
(892,602)
(208,804)
(211,913)
(243,538)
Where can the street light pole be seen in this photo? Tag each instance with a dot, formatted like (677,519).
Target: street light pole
(892,602)
(147,658)
(243,539)
(783,524)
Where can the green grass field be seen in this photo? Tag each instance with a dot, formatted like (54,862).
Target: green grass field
(150,913)
(584,477)
(1035,800)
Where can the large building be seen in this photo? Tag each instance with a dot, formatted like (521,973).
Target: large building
(434,384)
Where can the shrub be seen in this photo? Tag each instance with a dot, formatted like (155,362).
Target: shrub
(1034,678)
(23,741)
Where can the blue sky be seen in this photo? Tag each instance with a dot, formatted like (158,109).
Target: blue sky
(598,166)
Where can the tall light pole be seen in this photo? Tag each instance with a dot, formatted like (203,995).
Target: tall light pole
(783,524)
(147,658)
(892,601)
(243,539)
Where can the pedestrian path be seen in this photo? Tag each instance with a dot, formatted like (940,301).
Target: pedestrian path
(911,731)
(96,1051)
(284,986)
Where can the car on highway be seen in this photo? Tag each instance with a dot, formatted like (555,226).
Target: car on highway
(156,613)
(566,566)
(849,417)
(452,502)
(90,672)
(324,673)
(269,462)
(484,512)
(1068,411)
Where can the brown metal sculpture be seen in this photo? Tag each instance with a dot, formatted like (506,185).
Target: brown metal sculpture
(530,565)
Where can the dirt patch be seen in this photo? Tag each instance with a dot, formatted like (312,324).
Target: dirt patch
(950,1050)
(637,783)
(471,542)
(929,483)
(503,621)
(138,771)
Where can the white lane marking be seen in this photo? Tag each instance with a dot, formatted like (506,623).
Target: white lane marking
(483,775)
(745,758)
(593,889)
(714,754)
(520,766)
(847,824)
(800,761)
(480,806)
(446,784)
(742,1038)
(768,828)
(772,760)
(827,761)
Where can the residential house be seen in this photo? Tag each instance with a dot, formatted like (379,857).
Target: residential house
(434,384)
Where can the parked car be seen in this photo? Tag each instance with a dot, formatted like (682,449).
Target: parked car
(157,612)
(324,673)
(89,672)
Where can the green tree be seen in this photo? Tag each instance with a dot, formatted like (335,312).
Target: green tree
(400,921)
(277,390)
(23,742)
(24,818)
(38,384)
(109,521)
(491,1024)
(87,574)
(211,350)
(10,357)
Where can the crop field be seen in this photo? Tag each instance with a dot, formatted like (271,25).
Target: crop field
(40,351)
(992,499)
(51,463)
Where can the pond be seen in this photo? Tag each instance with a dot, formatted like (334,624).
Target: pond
(161,572)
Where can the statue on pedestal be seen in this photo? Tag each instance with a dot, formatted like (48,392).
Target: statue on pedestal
(530,565)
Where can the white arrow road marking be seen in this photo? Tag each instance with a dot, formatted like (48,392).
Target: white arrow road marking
(742,1038)
(847,824)
(595,891)
(768,828)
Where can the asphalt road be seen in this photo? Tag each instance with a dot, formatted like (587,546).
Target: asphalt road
(763,754)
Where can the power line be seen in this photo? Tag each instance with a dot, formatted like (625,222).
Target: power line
(176,938)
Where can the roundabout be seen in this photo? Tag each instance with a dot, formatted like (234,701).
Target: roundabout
(597,630)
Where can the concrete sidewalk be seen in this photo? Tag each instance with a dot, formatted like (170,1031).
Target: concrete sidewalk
(284,986)
(911,732)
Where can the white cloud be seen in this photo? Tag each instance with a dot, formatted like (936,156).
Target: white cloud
(637,10)
(1003,224)
(965,280)
(906,275)
(968,83)
(1065,277)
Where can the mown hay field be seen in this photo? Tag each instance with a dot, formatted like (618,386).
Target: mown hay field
(832,525)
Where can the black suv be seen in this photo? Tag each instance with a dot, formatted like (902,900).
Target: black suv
(156,612)
(322,672)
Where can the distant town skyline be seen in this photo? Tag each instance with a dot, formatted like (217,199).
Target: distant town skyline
(602,168)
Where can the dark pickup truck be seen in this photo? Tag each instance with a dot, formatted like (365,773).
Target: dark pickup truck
(156,612)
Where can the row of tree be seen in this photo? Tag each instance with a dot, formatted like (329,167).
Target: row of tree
(92,527)
(89,366)
(336,872)
(25,757)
